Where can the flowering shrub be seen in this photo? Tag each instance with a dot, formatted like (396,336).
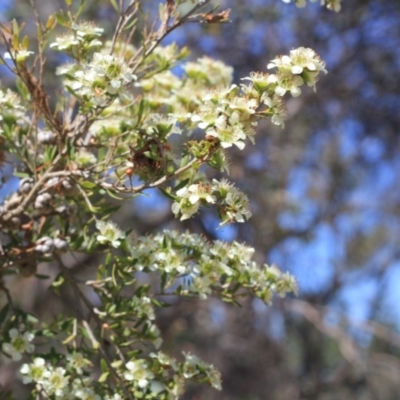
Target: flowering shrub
(122,107)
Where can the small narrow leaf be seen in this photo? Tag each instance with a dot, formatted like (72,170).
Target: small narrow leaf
(50,22)
(15,29)
(114,4)
(182,184)
(80,9)
(103,377)
(25,42)
(167,194)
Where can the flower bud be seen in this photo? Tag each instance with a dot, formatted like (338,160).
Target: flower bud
(67,185)
(25,185)
(39,248)
(43,201)
(52,182)
(60,244)
(45,245)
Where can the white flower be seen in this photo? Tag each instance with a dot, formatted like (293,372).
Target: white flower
(77,362)
(109,233)
(56,382)
(190,365)
(137,371)
(19,344)
(34,372)
(86,393)
(190,199)
(65,42)
(87,29)
(85,158)
(18,55)
(235,204)
(202,286)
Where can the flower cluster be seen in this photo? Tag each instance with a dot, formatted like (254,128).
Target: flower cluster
(83,36)
(189,199)
(210,72)
(302,66)
(165,57)
(228,118)
(69,160)
(209,267)
(58,381)
(183,96)
(229,115)
(105,77)
(139,375)
(330,4)
(232,204)
(109,233)
(84,158)
(11,110)
(193,366)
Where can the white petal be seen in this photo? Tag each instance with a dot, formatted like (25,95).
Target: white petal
(296,69)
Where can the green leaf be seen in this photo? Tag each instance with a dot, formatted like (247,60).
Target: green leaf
(40,276)
(108,259)
(167,194)
(15,28)
(112,195)
(116,364)
(114,4)
(140,112)
(109,209)
(21,175)
(50,22)
(25,42)
(80,9)
(164,277)
(88,185)
(182,184)
(103,365)
(70,338)
(58,281)
(103,377)
(132,23)
(62,19)
(142,290)
(31,319)
(114,270)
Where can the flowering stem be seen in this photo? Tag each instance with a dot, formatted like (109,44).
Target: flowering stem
(66,273)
